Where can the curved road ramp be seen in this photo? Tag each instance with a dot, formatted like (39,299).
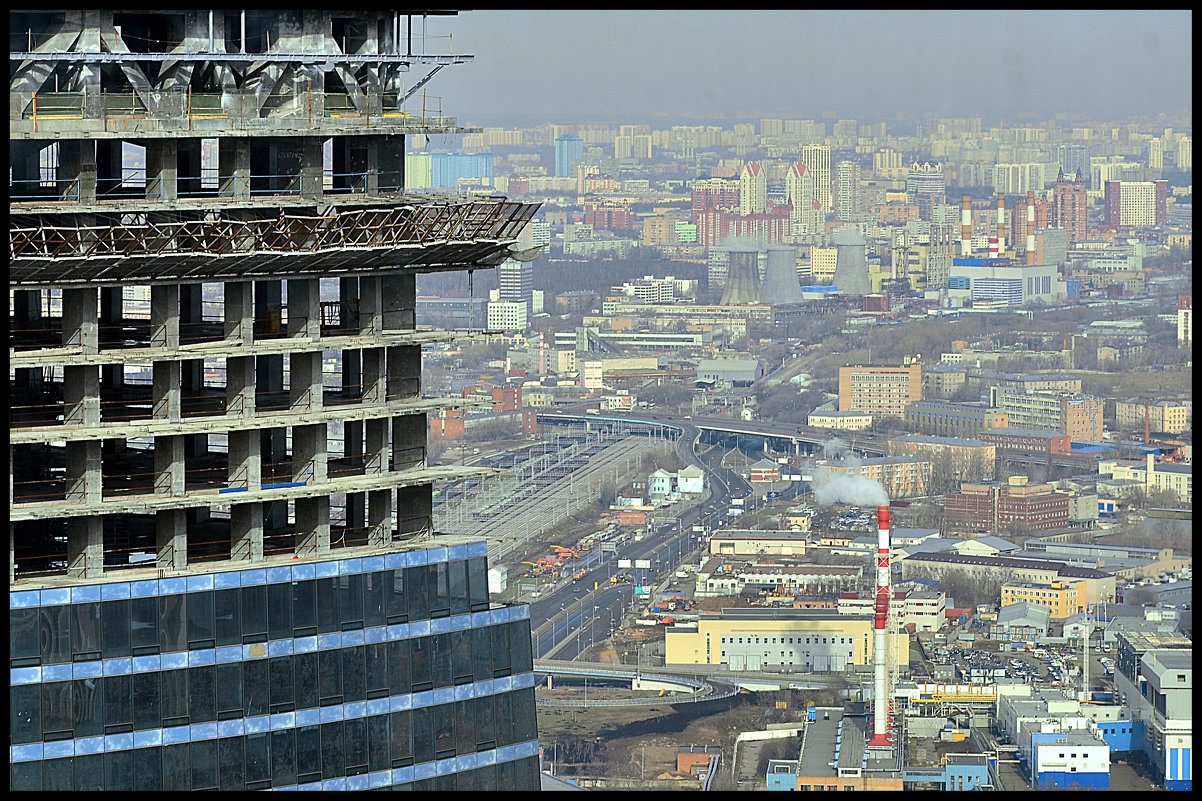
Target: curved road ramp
(683,689)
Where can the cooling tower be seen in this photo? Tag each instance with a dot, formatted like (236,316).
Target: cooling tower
(851,263)
(780,277)
(743,279)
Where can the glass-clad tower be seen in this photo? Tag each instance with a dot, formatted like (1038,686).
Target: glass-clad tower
(223,571)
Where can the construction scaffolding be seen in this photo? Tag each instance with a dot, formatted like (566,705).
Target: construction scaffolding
(212,286)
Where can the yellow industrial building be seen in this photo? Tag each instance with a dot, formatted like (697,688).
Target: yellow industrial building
(773,639)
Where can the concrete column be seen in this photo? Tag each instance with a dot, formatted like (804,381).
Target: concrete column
(398,297)
(313,525)
(309,458)
(240,311)
(233,167)
(304,308)
(404,371)
(376,452)
(245,460)
(414,509)
(379,517)
(171,539)
(371,306)
(409,434)
(240,386)
(311,168)
(390,160)
(166,391)
(371,157)
(350,163)
(85,546)
(77,169)
(375,375)
(84,476)
(81,395)
(80,314)
(246,532)
(162,169)
(164,316)
(169,465)
(304,382)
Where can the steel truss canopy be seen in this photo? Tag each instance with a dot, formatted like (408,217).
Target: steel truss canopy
(51,250)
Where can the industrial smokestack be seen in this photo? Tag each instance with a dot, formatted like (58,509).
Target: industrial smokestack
(966,226)
(1001,222)
(880,729)
(1030,228)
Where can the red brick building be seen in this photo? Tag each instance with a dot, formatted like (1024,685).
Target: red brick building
(994,507)
(1028,440)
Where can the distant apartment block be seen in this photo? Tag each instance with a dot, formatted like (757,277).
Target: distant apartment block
(1078,417)
(901,477)
(1162,417)
(881,391)
(971,459)
(952,419)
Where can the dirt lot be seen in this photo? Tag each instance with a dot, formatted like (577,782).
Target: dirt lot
(634,742)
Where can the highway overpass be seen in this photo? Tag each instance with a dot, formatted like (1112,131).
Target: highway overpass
(797,439)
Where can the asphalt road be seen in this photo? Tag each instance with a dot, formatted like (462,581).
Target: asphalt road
(580,613)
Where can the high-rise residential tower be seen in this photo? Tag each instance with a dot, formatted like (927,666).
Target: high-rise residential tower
(569,149)
(223,570)
(817,159)
(1069,207)
(753,189)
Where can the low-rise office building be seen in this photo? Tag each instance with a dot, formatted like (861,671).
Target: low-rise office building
(969,459)
(1062,599)
(902,477)
(819,640)
(912,611)
(946,419)
(756,542)
(718,576)
(1099,586)
(1152,476)
(995,507)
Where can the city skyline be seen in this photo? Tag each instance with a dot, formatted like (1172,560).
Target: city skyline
(1009,66)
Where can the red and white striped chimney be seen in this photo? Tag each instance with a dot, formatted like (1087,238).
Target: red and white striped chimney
(1030,227)
(880,715)
(1001,222)
(966,226)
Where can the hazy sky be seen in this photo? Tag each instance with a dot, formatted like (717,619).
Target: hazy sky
(575,66)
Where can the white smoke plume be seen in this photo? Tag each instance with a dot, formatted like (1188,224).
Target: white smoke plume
(835,448)
(832,487)
(741,243)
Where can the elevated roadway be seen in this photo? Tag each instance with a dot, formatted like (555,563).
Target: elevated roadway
(684,688)
(798,438)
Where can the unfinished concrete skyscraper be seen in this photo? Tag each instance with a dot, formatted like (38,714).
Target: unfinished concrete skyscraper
(220,506)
